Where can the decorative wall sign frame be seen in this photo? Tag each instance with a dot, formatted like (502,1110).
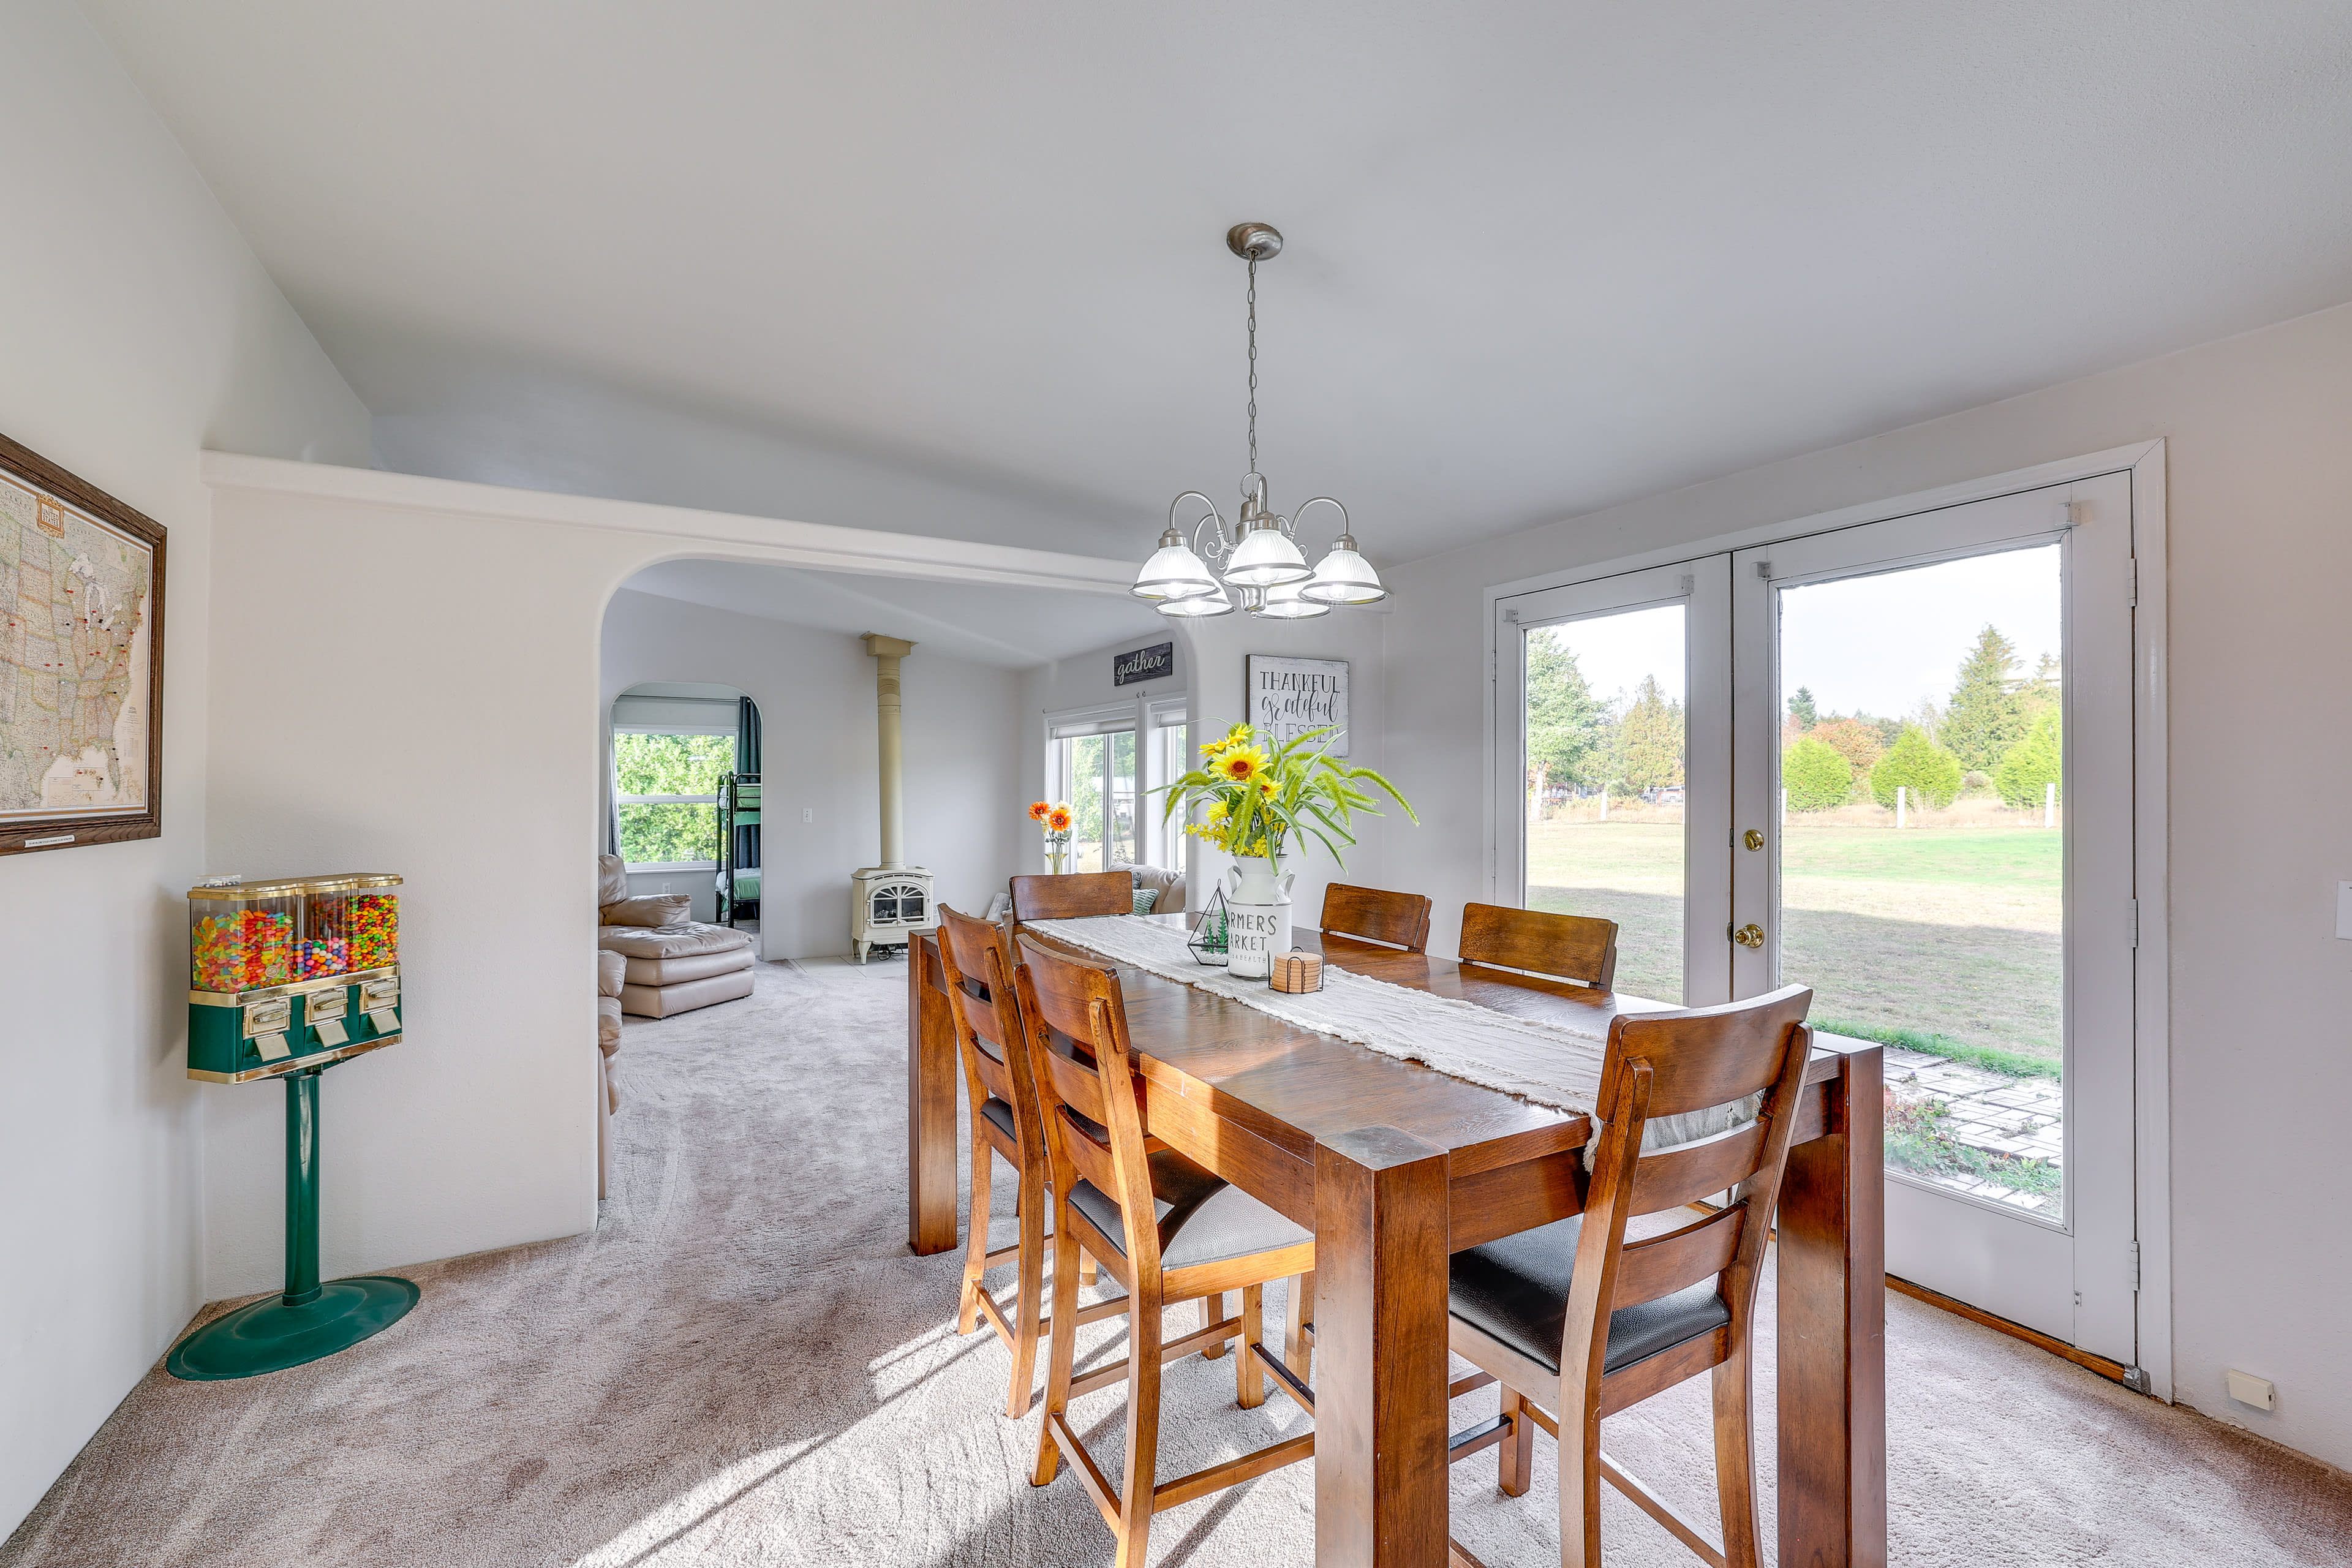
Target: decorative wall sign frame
(1288,697)
(81,661)
(1143,664)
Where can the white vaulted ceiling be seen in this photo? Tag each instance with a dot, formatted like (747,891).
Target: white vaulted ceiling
(1542,256)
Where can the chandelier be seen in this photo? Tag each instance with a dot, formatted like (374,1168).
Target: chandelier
(1263,569)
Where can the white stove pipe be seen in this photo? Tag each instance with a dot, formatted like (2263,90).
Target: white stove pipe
(888,652)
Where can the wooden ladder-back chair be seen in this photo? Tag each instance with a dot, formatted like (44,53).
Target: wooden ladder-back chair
(1373,914)
(1070,897)
(1162,1226)
(1576,1322)
(1005,1120)
(1566,947)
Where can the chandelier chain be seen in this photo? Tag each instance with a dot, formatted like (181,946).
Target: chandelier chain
(1253,364)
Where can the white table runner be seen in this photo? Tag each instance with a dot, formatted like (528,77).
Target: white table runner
(1553,1064)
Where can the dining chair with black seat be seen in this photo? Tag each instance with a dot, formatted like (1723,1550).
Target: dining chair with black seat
(1375,914)
(1582,948)
(1005,1121)
(1164,1227)
(1577,1323)
(1073,896)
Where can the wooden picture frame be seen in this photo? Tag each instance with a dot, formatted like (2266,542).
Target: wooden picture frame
(81,661)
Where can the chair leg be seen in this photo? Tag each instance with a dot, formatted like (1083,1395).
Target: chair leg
(1144,1338)
(1063,1341)
(1088,1271)
(975,1257)
(1031,1302)
(1297,1353)
(1580,1483)
(1735,1457)
(1517,1451)
(1213,1312)
(1249,1378)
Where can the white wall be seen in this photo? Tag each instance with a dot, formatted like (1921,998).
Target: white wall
(445,719)
(962,759)
(138,328)
(2258,433)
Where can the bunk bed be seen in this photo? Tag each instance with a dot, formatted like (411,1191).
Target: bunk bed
(738,848)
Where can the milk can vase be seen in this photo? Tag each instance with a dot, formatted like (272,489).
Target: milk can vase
(1257,903)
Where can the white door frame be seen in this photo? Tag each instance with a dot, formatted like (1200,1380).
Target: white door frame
(2151,985)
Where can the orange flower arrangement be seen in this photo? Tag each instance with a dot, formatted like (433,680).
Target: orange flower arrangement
(1055,817)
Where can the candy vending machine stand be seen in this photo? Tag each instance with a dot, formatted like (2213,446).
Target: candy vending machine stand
(275,998)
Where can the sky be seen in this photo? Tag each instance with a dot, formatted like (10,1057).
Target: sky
(1615,651)
(1875,645)
(1880,644)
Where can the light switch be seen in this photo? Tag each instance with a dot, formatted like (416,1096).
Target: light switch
(808,814)
(2344,910)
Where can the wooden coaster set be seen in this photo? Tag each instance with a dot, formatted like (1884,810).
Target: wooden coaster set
(1297,973)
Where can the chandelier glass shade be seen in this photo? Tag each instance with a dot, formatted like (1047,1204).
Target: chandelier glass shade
(1259,558)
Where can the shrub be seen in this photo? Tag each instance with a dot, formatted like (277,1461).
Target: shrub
(2039,759)
(1816,777)
(1930,775)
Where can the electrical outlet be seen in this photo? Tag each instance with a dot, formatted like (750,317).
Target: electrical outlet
(808,814)
(2245,1388)
(664,887)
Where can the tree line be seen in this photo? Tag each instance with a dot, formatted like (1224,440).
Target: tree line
(2000,731)
(1626,745)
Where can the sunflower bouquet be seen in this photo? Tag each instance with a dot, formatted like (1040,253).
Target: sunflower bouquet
(1054,818)
(1257,795)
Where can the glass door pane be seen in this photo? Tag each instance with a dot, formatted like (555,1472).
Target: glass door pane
(1922,876)
(1607,774)
(1119,823)
(1082,788)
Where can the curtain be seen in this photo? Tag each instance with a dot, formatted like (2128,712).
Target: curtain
(747,761)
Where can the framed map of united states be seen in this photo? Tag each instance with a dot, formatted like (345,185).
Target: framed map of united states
(81,661)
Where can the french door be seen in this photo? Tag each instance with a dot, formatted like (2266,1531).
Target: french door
(1907,783)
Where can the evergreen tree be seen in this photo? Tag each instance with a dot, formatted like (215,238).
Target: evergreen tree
(1564,722)
(1816,775)
(1802,709)
(1987,715)
(1929,773)
(2037,760)
(1650,740)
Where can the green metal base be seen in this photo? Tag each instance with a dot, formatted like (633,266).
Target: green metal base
(270,1336)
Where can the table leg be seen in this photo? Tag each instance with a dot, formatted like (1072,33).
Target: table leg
(931,1221)
(1380,1351)
(1833,1336)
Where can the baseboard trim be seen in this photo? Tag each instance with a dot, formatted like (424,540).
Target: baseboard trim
(2113,1371)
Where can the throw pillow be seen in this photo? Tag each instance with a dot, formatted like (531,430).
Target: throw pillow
(650,909)
(1144,898)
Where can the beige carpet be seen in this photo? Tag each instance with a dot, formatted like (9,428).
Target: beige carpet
(744,1365)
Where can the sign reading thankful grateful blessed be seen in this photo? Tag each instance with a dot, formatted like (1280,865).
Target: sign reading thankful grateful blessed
(1143,664)
(1288,697)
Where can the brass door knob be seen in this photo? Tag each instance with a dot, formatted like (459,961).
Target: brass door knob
(1750,935)
(1755,839)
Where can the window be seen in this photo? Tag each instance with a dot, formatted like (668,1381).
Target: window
(1172,737)
(1090,763)
(666,791)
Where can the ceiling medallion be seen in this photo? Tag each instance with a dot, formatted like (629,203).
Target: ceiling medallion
(1263,569)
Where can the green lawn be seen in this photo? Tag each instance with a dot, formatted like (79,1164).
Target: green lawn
(1953,931)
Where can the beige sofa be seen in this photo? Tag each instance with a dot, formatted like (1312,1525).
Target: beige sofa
(1170,883)
(670,963)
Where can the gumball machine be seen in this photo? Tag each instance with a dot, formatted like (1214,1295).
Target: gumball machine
(288,978)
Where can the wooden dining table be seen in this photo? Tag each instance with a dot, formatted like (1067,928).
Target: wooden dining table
(1393,1165)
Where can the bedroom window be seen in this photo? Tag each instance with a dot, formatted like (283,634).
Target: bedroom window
(665,793)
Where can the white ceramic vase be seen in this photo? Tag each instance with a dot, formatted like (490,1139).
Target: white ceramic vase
(1258,908)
